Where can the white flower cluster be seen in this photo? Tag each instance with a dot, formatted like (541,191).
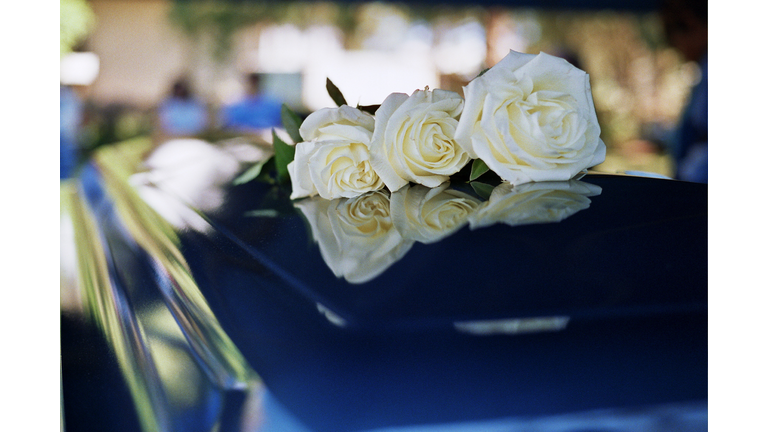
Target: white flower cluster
(530,118)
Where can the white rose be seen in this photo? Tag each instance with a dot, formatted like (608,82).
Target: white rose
(413,139)
(532,203)
(334,160)
(531,118)
(356,236)
(427,214)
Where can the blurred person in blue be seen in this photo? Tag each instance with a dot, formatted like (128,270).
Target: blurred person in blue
(181,114)
(255,112)
(685,25)
(78,70)
(70,119)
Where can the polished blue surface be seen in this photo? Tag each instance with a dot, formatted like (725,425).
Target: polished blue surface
(597,322)
(637,333)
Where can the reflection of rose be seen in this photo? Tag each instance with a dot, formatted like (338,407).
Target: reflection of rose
(413,138)
(356,236)
(531,118)
(533,203)
(427,214)
(334,161)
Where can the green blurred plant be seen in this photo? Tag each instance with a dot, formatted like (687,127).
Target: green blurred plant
(222,19)
(76,20)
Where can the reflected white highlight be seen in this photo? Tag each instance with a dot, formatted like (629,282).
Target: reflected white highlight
(532,203)
(428,215)
(356,236)
(682,416)
(186,175)
(513,326)
(359,238)
(331,316)
(71,296)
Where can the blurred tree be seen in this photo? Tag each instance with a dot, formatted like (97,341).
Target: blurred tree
(76,20)
(222,19)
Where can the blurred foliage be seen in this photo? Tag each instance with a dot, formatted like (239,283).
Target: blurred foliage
(639,83)
(111,124)
(76,20)
(222,19)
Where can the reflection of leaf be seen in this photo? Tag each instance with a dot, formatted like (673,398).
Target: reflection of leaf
(274,203)
(335,93)
(251,173)
(283,156)
(268,171)
(478,168)
(262,213)
(483,190)
(291,123)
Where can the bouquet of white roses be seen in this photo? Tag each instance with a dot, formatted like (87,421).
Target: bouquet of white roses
(529,118)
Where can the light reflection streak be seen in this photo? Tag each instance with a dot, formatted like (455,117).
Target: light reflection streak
(70,296)
(513,326)
(184,177)
(332,317)
(115,318)
(174,357)
(158,238)
(660,418)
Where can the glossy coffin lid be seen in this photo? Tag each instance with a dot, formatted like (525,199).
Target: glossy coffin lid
(605,310)
(641,248)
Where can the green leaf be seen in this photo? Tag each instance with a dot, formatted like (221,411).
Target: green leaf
(335,93)
(291,123)
(483,190)
(478,168)
(370,109)
(284,154)
(251,173)
(482,72)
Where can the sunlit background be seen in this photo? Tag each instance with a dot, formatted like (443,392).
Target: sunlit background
(123,56)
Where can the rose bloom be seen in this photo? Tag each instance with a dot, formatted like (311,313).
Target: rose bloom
(531,118)
(428,215)
(533,203)
(356,236)
(414,138)
(334,160)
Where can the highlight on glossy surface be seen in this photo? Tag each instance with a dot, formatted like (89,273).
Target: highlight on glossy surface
(512,326)
(356,236)
(108,308)
(149,308)
(532,203)
(359,238)
(159,239)
(428,215)
(492,299)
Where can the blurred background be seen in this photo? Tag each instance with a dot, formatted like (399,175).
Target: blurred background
(164,68)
